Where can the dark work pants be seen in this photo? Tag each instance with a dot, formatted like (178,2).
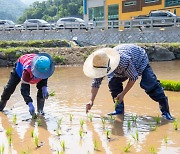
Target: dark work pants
(25,88)
(148,82)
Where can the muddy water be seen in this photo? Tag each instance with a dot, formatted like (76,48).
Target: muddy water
(136,127)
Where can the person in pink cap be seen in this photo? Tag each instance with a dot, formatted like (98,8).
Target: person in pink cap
(30,69)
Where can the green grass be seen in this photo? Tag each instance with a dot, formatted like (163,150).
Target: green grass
(170,85)
(58,59)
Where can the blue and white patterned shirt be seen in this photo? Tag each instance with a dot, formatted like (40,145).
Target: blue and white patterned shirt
(133,60)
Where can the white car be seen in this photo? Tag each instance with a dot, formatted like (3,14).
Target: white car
(9,25)
(36,24)
(73,23)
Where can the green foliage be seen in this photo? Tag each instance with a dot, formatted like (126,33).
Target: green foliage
(63,145)
(9,132)
(52,93)
(2,149)
(52,10)
(126,148)
(58,59)
(170,85)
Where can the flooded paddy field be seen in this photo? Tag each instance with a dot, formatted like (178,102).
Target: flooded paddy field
(66,128)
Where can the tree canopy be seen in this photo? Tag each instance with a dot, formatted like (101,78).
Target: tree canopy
(52,10)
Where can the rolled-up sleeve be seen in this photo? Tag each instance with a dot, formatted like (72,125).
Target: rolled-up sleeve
(96,82)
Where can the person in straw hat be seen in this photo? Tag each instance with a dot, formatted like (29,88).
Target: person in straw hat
(126,61)
(30,69)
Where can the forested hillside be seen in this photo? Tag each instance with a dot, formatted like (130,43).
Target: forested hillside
(11,9)
(52,10)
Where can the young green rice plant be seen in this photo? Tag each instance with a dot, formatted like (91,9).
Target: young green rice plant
(175,125)
(116,102)
(81,133)
(82,123)
(136,136)
(39,122)
(63,145)
(9,140)
(157,119)
(2,149)
(59,123)
(165,139)
(170,85)
(14,119)
(58,132)
(134,118)
(52,93)
(127,148)
(96,147)
(112,117)
(152,150)
(108,134)
(70,117)
(9,132)
(90,117)
(103,120)
(36,141)
(129,124)
(32,133)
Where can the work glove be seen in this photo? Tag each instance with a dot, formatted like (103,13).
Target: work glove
(31,108)
(45,93)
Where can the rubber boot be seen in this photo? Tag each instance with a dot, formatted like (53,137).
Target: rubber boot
(164,107)
(2,104)
(118,110)
(40,105)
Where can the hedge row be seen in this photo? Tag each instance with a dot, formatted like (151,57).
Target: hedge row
(35,43)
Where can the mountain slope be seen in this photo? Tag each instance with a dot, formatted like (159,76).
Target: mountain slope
(11,9)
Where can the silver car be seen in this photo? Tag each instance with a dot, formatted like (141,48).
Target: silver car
(36,24)
(9,25)
(72,23)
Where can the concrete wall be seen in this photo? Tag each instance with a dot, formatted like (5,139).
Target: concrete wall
(97,36)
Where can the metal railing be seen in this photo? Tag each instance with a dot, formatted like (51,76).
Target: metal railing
(111,24)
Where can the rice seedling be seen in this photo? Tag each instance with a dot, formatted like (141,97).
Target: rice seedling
(116,102)
(36,141)
(157,119)
(81,133)
(96,147)
(34,116)
(170,85)
(136,136)
(152,150)
(127,148)
(108,134)
(165,139)
(60,152)
(154,128)
(52,93)
(63,145)
(9,140)
(82,123)
(175,125)
(58,132)
(129,124)
(2,149)
(112,117)
(9,132)
(39,122)
(90,117)
(32,133)
(134,118)
(59,123)
(14,119)
(103,120)
(70,117)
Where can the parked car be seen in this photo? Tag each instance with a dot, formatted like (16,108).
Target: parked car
(158,18)
(9,25)
(73,23)
(37,24)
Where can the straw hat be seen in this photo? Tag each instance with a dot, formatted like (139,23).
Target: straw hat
(101,63)
(42,66)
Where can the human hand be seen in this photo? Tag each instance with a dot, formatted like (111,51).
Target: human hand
(31,108)
(45,93)
(89,106)
(119,97)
